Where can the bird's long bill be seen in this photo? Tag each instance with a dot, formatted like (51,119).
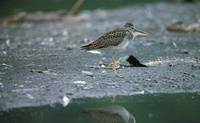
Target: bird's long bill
(140,33)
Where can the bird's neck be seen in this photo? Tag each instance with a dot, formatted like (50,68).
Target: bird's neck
(130,35)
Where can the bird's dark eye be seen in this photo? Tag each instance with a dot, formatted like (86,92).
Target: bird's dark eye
(133,28)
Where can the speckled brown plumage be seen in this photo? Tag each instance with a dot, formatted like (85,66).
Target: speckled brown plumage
(112,38)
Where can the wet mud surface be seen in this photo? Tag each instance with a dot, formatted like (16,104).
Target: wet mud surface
(40,63)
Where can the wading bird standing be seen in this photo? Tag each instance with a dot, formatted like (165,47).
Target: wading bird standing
(118,39)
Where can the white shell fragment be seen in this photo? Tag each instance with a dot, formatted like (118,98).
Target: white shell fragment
(66,101)
(79,82)
(174,44)
(139,92)
(29,96)
(8,43)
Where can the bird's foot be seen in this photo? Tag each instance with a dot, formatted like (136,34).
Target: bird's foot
(115,65)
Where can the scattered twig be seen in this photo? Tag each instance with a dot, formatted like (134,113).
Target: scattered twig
(76,7)
(46,71)
(39,71)
(71,15)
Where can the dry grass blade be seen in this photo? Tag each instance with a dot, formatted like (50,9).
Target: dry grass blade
(75,8)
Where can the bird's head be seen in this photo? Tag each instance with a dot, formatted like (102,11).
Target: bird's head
(135,32)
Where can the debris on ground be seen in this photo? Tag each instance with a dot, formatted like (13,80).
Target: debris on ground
(134,62)
(46,71)
(88,73)
(180,26)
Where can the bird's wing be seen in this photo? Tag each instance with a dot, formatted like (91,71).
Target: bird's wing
(112,38)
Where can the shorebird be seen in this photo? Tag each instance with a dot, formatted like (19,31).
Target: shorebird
(118,39)
(111,114)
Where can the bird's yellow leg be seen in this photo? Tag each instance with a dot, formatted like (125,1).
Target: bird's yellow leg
(115,65)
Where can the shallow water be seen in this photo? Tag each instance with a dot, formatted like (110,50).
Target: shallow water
(150,108)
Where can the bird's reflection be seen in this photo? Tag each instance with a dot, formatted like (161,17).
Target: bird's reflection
(111,114)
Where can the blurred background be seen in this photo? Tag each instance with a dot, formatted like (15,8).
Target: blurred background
(10,7)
